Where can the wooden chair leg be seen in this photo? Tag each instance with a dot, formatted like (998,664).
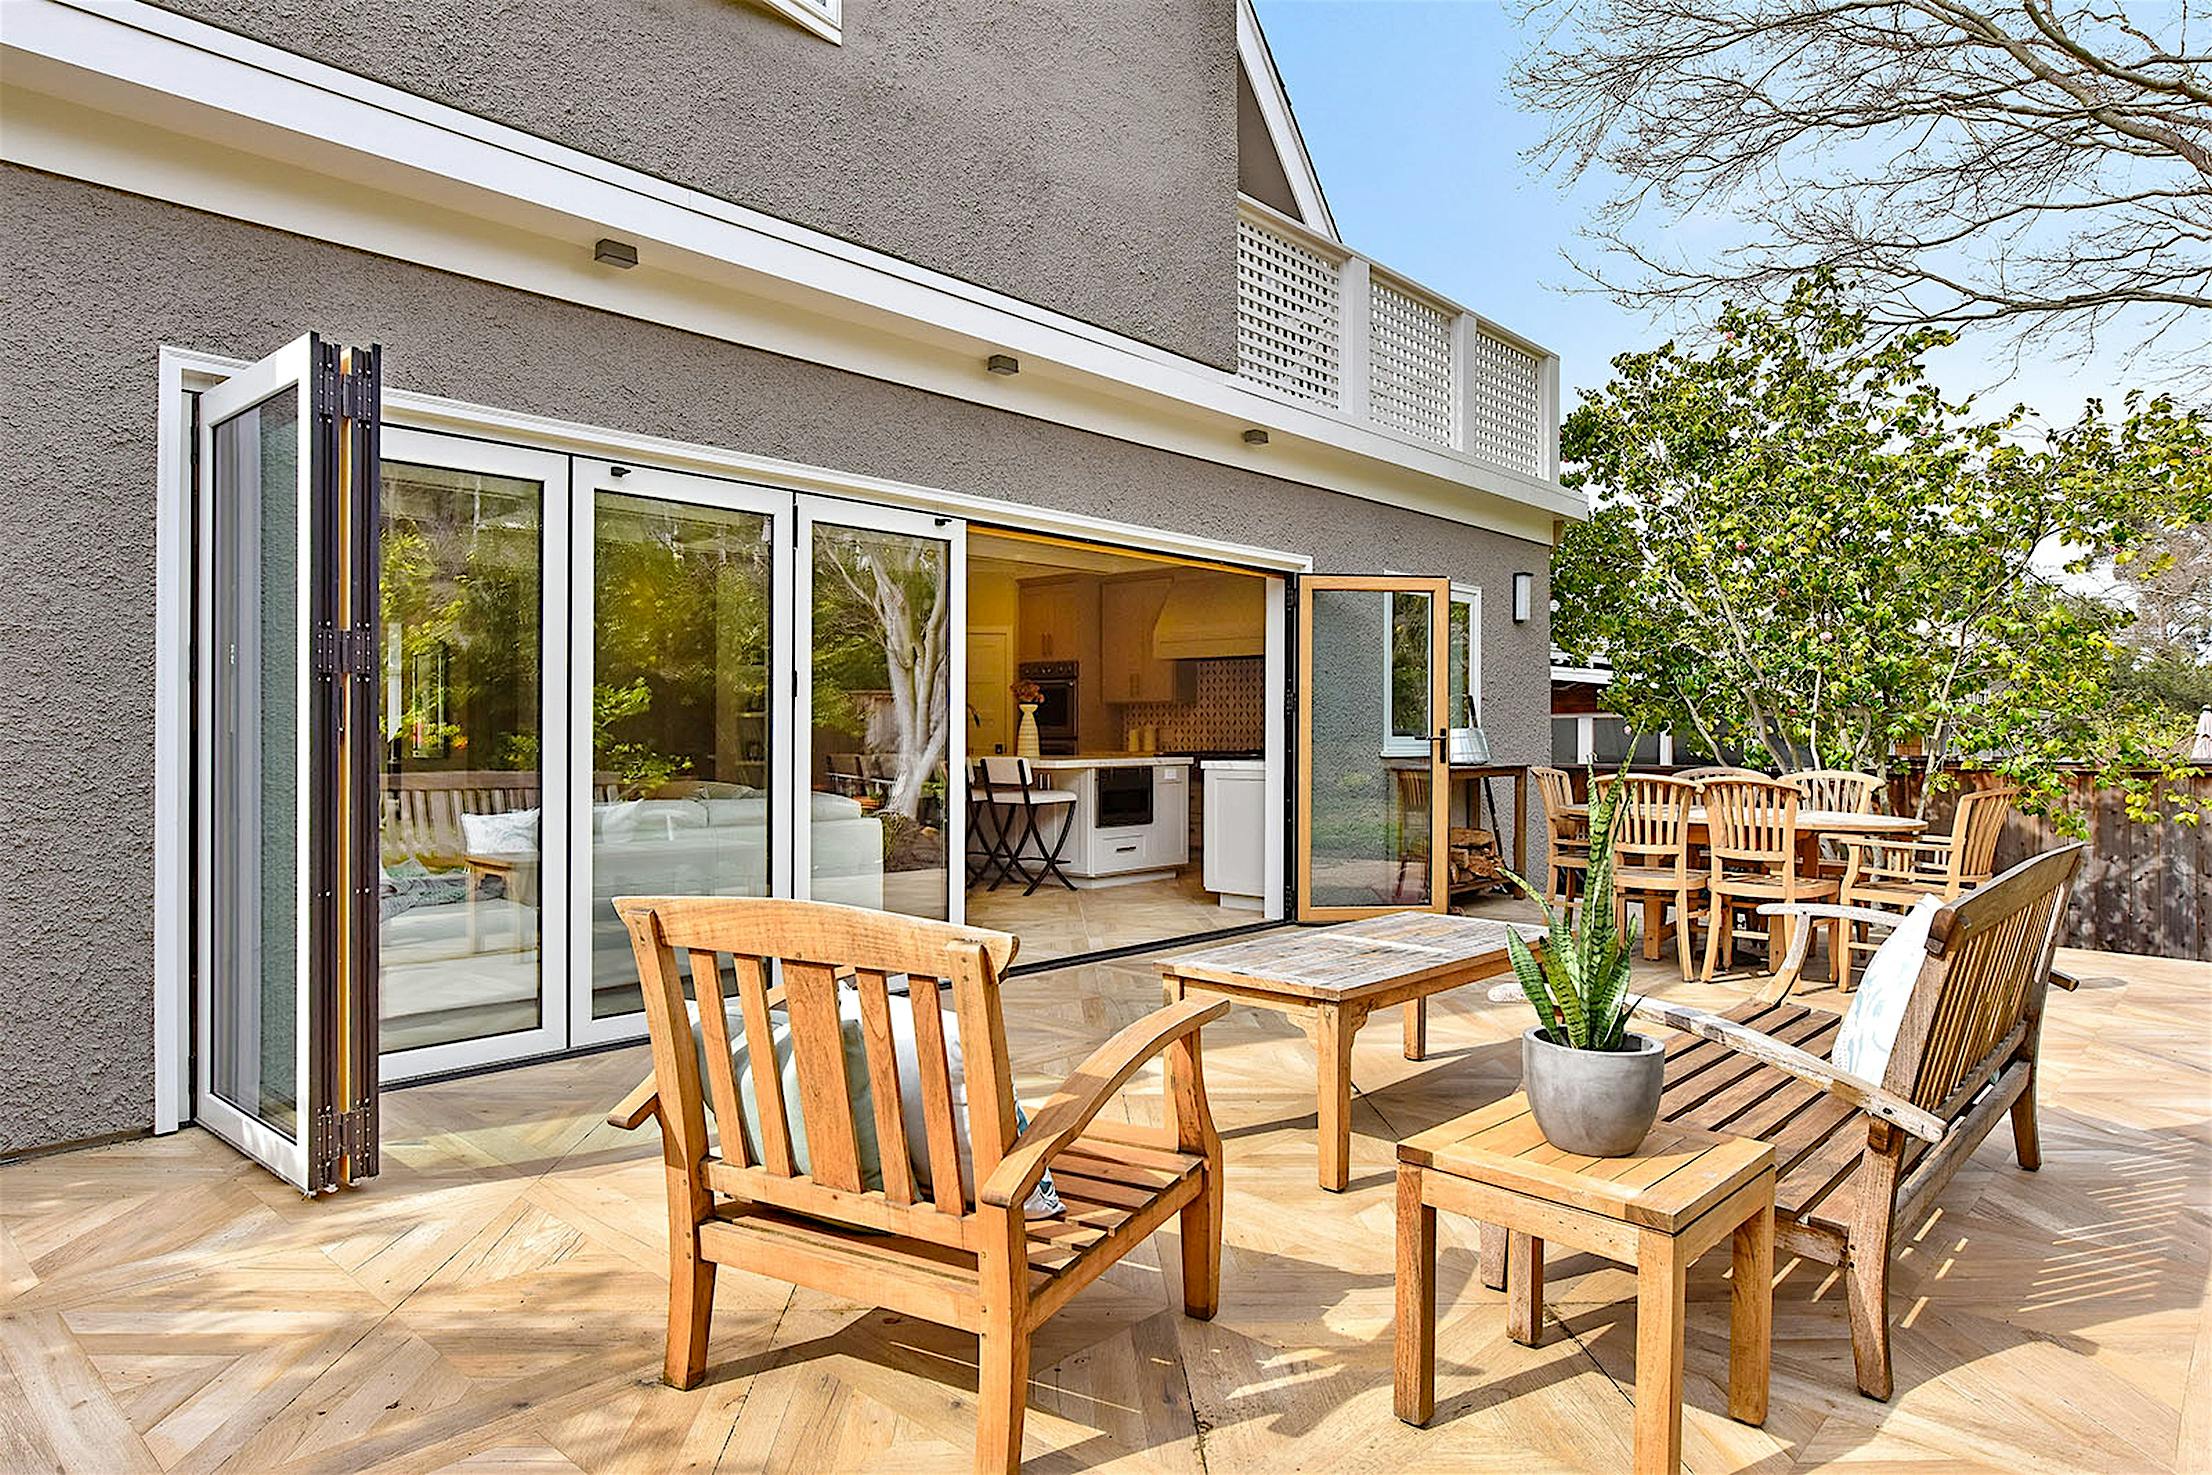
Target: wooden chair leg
(2027,1143)
(1683,947)
(1866,1287)
(690,1309)
(1201,1217)
(1415,1365)
(1719,922)
(1001,1398)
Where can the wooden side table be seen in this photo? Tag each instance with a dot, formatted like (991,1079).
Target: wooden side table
(1683,1192)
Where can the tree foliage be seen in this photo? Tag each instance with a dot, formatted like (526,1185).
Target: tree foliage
(1798,548)
(2037,163)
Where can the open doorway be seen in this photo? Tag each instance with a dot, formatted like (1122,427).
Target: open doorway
(1117,733)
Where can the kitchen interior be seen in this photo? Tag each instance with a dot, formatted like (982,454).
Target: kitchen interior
(1150,683)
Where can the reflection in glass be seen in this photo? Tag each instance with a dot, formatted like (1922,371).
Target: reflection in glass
(679,716)
(255,762)
(1369,813)
(462,799)
(1459,666)
(882,704)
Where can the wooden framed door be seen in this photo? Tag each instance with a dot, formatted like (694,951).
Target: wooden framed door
(288,761)
(1373,728)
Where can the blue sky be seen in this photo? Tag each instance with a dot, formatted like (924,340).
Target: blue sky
(1405,110)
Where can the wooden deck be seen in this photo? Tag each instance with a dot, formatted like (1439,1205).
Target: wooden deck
(494,1301)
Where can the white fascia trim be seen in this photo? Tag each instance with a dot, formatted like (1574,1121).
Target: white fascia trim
(379,169)
(826,20)
(1282,122)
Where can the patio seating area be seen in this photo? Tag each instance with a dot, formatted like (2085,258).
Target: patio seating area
(495,1299)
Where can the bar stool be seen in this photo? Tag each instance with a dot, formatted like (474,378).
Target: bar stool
(1009,787)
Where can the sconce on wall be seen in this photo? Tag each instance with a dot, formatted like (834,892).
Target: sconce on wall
(1524,588)
(1255,437)
(1003,363)
(610,252)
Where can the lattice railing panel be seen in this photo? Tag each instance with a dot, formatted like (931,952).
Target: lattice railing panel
(1409,365)
(1506,406)
(1289,316)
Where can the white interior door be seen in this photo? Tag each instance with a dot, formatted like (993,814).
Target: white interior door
(473,699)
(679,711)
(880,599)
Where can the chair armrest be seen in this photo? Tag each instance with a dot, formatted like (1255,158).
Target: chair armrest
(2065,980)
(1806,1066)
(1872,916)
(1081,1097)
(633,1110)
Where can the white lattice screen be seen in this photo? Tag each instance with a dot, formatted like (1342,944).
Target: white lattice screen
(1288,315)
(1409,365)
(1506,408)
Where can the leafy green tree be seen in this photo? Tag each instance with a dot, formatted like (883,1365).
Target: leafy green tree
(1799,548)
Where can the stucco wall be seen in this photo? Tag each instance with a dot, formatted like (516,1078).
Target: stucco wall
(101,279)
(1083,157)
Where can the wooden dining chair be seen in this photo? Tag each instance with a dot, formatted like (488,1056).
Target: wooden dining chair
(1714,771)
(787,1187)
(1566,840)
(1839,791)
(1892,874)
(1751,841)
(1652,861)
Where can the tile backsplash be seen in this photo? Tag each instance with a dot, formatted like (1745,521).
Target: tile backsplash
(1229,711)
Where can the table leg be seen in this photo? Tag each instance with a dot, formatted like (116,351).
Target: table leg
(1332,1045)
(1416,1361)
(1417,1029)
(1660,1276)
(475,879)
(1751,1317)
(1524,1289)
(1490,1254)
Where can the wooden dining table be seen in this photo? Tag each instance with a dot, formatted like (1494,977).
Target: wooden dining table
(1813,826)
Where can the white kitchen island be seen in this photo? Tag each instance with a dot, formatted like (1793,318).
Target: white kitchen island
(1110,844)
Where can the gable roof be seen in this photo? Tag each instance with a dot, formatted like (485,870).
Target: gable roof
(1257,65)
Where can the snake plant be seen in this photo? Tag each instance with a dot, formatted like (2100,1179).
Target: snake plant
(1578,985)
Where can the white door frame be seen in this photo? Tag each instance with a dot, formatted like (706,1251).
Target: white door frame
(953,532)
(591,476)
(290,366)
(555,521)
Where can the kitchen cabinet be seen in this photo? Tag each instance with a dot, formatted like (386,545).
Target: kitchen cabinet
(1104,850)
(1127,611)
(1055,613)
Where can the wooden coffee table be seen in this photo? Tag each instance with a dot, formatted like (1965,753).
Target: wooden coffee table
(1329,979)
(1682,1192)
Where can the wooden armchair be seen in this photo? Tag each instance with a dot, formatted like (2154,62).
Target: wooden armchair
(929,1250)
(1893,874)
(1842,790)
(1857,1161)
(1566,839)
(1652,861)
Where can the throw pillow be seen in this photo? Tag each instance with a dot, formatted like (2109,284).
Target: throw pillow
(1869,1029)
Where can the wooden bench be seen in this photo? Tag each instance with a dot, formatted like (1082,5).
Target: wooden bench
(930,1252)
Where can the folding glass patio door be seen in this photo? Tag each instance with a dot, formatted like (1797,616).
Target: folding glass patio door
(287,763)
(1374,723)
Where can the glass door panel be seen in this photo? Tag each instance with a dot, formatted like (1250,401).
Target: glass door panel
(883,601)
(1372,698)
(467,746)
(677,711)
(285,987)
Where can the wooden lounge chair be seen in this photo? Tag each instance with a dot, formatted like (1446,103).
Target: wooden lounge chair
(1858,1162)
(930,1252)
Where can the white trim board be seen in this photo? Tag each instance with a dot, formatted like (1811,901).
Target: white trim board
(134,97)
(1282,123)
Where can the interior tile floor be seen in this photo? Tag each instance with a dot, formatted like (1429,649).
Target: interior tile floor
(494,1300)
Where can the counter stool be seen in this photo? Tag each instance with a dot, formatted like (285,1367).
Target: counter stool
(1009,786)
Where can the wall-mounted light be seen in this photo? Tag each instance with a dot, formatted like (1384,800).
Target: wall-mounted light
(1003,363)
(1524,588)
(610,252)
(1255,437)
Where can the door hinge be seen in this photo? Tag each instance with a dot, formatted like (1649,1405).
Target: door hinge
(353,395)
(344,652)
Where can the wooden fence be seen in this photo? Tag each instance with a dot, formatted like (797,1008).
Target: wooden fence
(2144,888)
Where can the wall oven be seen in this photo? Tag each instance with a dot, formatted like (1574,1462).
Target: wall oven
(1057,709)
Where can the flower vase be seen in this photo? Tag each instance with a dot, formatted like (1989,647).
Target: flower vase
(1025,736)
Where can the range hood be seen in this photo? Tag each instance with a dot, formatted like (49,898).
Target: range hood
(1204,618)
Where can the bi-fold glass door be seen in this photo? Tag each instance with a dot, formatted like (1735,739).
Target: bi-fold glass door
(285,977)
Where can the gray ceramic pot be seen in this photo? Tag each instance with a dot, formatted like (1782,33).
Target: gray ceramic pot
(1599,1103)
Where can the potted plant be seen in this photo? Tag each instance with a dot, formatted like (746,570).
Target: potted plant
(1593,1085)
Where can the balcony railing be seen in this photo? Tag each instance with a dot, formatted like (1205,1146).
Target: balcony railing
(1324,326)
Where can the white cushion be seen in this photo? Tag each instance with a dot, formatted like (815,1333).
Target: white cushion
(500,834)
(1869,1028)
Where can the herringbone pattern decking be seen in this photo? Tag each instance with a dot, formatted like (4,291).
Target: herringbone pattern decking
(494,1301)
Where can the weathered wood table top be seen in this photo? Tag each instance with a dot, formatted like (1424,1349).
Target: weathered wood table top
(1341,962)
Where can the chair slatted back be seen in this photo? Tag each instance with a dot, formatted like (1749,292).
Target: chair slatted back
(1975,830)
(735,946)
(1651,823)
(1980,991)
(1557,791)
(1714,771)
(1840,790)
(1750,825)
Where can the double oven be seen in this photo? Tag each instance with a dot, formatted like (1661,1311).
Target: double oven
(1058,707)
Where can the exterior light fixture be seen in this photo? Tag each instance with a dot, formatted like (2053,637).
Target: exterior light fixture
(610,252)
(1255,437)
(1524,586)
(1003,363)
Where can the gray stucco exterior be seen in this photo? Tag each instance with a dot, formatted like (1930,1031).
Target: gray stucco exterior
(101,279)
(1083,158)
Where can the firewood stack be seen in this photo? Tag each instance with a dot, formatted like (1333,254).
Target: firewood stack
(1475,861)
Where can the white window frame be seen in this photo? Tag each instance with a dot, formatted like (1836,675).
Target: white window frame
(1400,745)
(825,18)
